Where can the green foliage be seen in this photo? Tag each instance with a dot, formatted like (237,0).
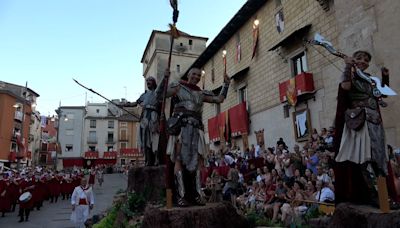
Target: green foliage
(108,221)
(134,204)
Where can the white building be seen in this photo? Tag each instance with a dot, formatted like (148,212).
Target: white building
(70,135)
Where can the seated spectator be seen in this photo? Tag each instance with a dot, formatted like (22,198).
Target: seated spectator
(324,193)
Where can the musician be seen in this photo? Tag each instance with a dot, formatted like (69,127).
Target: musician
(5,193)
(186,143)
(362,145)
(92,176)
(26,185)
(82,201)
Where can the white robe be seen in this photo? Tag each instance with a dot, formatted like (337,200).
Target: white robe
(81,212)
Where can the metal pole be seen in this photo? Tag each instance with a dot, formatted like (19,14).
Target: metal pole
(57,138)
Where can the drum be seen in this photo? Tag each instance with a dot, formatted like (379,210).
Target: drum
(25,197)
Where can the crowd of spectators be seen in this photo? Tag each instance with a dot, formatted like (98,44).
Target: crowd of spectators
(278,181)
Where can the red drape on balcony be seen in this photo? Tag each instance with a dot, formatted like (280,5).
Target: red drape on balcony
(110,155)
(213,134)
(130,152)
(238,119)
(91,155)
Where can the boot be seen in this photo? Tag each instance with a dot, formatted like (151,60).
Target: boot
(370,180)
(27,212)
(21,215)
(180,189)
(198,199)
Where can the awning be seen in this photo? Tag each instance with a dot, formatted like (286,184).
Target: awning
(296,35)
(213,134)
(238,120)
(91,155)
(71,162)
(240,74)
(110,155)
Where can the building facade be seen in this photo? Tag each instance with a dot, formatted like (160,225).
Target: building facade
(17,103)
(266,54)
(70,136)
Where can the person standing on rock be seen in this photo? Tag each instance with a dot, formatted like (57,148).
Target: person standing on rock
(82,202)
(186,143)
(148,136)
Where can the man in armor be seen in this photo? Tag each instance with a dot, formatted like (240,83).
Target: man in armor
(186,143)
(361,139)
(148,136)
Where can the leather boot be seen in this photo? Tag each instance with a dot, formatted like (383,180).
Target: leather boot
(180,189)
(370,179)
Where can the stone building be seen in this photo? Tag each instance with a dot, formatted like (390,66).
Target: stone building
(266,53)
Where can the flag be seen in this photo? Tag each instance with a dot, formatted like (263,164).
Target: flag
(43,121)
(291,93)
(174,4)
(238,52)
(255,40)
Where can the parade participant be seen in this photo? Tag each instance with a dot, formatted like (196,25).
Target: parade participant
(26,185)
(14,190)
(92,176)
(100,175)
(148,136)
(362,144)
(5,193)
(186,143)
(82,201)
(54,187)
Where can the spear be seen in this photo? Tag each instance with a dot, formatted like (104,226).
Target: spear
(163,136)
(112,102)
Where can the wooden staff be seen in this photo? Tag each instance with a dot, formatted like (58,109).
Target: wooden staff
(163,135)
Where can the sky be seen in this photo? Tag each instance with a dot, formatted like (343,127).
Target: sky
(47,43)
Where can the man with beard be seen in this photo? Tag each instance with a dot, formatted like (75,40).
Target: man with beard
(186,143)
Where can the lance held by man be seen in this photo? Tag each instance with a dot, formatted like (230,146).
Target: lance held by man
(174,33)
(105,98)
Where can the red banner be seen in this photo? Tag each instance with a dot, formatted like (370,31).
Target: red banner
(130,152)
(71,162)
(238,120)
(110,155)
(213,134)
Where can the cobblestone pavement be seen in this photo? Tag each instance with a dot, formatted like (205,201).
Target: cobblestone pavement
(57,215)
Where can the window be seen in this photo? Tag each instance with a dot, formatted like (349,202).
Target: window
(190,44)
(123,135)
(111,124)
(68,148)
(110,136)
(97,110)
(43,159)
(110,148)
(123,145)
(92,123)
(69,132)
(70,116)
(242,94)
(299,63)
(92,136)
(92,148)
(178,68)
(123,124)
(122,161)
(13,146)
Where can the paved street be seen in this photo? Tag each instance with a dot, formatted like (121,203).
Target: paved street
(57,215)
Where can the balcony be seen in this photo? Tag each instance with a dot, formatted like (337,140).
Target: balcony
(92,140)
(91,155)
(110,141)
(18,115)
